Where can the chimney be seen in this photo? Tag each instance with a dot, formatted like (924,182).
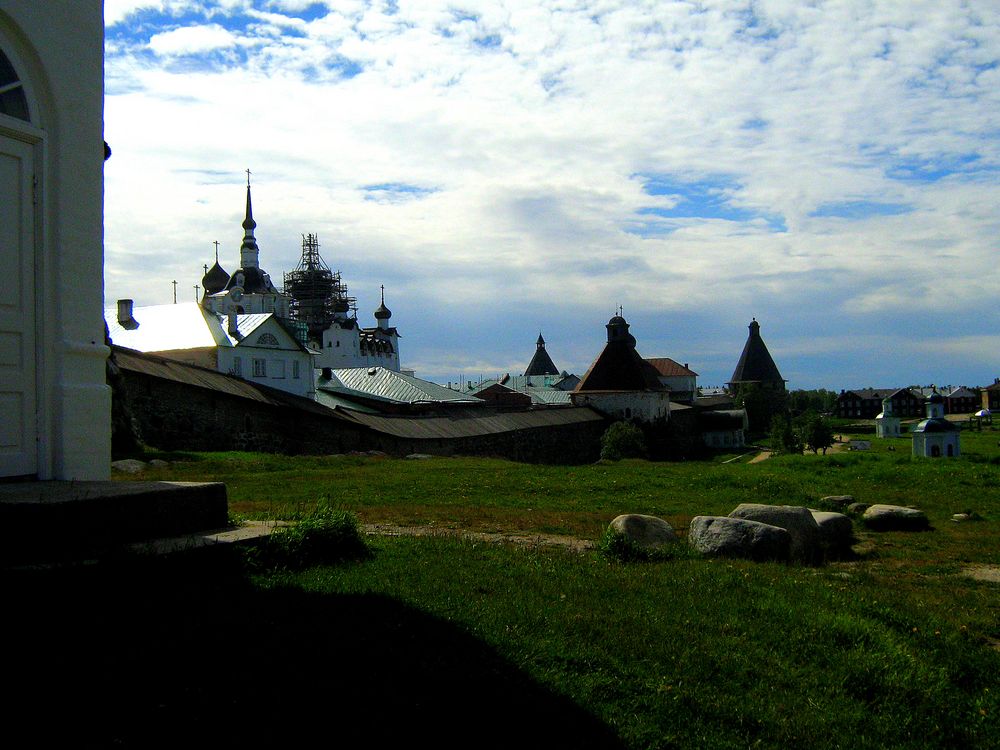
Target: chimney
(125,318)
(234,330)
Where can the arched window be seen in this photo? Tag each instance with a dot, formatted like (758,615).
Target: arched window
(267,339)
(13,102)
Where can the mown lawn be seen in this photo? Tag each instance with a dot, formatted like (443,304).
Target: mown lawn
(457,643)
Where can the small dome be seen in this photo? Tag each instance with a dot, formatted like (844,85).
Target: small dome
(935,424)
(617,320)
(215,280)
(383,312)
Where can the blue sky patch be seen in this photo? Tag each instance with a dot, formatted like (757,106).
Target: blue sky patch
(932,170)
(395,192)
(860,209)
(709,198)
(490,41)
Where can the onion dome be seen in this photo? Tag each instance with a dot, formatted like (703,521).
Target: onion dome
(215,279)
(383,312)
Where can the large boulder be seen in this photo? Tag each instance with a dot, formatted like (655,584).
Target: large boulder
(128,465)
(895,518)
(649,532)
(835,531)
(795,519)
(720,536)
(837,501)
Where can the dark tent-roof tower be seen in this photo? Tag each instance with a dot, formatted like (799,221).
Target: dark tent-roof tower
(619,367)
(541,363)
(756,365)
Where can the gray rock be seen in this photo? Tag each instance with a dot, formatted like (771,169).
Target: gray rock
(838,501)
(418,456)
(128,465)
(721,536)
(649,532)
(895,518)
(835,531)
(857,508)
(795,519)
(159,463)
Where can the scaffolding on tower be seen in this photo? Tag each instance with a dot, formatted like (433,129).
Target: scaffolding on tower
(319,296)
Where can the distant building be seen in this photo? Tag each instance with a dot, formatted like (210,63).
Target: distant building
(756,367)
(681,381)
(255,346)
(990,396)
(887,424)
(541,363)
(961,400)
(249,289)
(620,383)
(757,383)
(379,389)
(935,436)
(866,403)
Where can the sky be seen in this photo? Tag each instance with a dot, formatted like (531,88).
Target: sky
(508,168)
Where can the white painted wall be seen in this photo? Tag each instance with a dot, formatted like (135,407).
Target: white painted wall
(642,406)
(59,55)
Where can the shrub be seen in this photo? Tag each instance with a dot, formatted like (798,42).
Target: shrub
(619,547)
(623,440)
(322,536)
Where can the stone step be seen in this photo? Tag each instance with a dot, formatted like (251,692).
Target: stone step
(64,521)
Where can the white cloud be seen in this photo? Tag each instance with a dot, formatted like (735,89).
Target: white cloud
(191,40)
(527,127)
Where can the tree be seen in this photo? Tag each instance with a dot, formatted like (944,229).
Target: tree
(623,440)
(784,437)
(817,434)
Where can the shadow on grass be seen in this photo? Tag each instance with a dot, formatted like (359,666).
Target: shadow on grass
(169,654)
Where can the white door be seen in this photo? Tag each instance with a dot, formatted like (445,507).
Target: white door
(18,421)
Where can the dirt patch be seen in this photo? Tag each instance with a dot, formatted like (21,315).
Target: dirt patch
(990,573)
(525,539)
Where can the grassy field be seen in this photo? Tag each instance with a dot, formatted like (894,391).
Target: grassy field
(469,644)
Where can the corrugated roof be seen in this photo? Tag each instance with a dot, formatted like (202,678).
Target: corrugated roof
(430,428)
(388,385)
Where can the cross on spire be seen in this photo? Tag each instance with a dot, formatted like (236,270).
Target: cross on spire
(216,243)
(382,287)
(248,177)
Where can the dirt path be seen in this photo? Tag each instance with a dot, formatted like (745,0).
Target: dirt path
(523,539)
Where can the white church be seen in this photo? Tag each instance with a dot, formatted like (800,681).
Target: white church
(246,326)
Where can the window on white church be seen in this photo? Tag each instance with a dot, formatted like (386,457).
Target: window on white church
(277,368)
(237,367)
(260,368)
(267,339)
(295,369)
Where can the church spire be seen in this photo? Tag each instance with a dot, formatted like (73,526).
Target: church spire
(249,252)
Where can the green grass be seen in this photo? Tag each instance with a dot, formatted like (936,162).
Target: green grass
(895,649)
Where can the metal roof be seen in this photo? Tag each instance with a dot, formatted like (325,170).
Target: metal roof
(389,385)
(430,428)
(165,328)
(669,368)
(186,325)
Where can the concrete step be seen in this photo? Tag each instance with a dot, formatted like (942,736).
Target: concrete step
(63,521)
